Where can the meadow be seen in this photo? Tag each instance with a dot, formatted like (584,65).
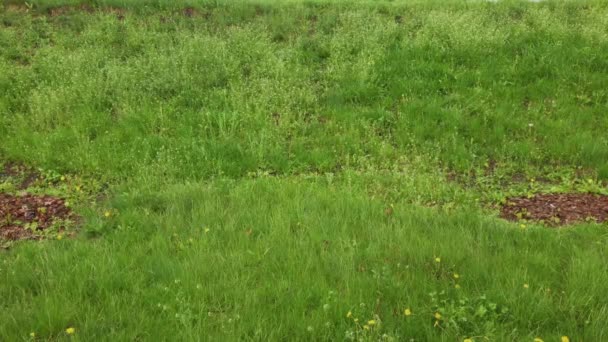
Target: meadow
(304,170)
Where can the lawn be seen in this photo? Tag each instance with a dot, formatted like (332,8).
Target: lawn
(303,170)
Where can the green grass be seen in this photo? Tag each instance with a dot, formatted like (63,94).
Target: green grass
(252,150)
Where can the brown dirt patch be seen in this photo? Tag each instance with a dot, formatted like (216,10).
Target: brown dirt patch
(557,209)
(37,212)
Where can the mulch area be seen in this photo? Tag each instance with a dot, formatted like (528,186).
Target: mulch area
(40,212)
(557,209)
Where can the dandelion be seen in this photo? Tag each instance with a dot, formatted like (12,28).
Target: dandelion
(33,335)
(467,340)
(522,226)
(60,236)
(207,230)
(565,339)
(457,286)
(371,322)
(407,312)
(349,314)
(538,339)
(437,316)
(437,259)
(356,320)
(70,331)
(366,327)
(526,286)
(62,178)
(107,213)
(456,275)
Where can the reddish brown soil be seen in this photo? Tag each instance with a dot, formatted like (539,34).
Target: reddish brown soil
(557,209)
(17,211)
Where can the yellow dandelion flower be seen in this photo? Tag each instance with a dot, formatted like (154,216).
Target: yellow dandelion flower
(60,236)
(565,339)
(437,316)
(207,230)
(349,314)
(526,286)
(366,327)
(437,260)
(107,213)
(62,178)
(456,275)
(356,320)
(457,286)
(407,312)
(467,340)
(32,334)
(70,331)
(371,322)
(522,226)
(538,339)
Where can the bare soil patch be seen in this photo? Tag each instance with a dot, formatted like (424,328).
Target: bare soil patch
(21,217)
(557,209)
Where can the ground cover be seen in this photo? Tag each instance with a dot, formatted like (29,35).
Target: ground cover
(303,170)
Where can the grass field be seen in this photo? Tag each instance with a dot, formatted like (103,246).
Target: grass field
(305,170)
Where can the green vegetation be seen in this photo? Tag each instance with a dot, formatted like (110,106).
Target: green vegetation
(272,167)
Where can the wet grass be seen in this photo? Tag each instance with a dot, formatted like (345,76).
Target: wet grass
(273,167)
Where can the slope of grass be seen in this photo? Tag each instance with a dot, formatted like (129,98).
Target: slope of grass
(273,167)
